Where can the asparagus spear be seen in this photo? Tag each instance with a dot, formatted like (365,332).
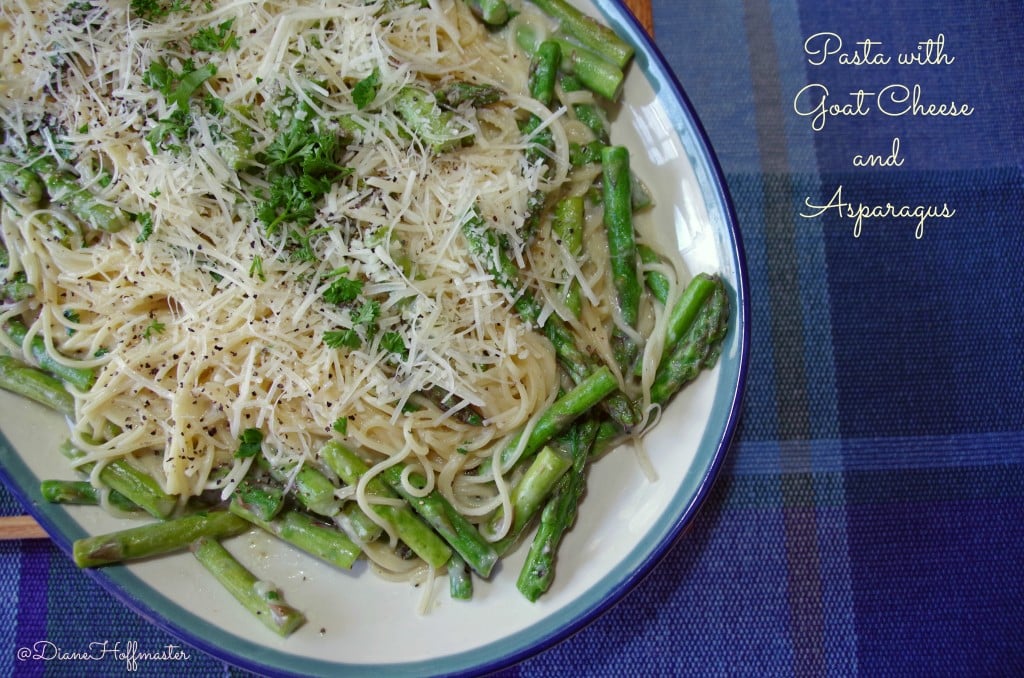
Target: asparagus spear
(352,519)
(590,115)
(558,417)
(618,221)
(81,378)
(689,304)
(541,84)
(494,13)
(544,71)
(434,127)
(457,93)
(82,492)
(262,501)
(155,538)
(591,33)
(601,77)
(120,476)
(63,188)
(20,181)
(530,492)
(423,541)
(656,282)
(698,348)
(558,515)
(260,598)
(592,71)
(35,384)
(16,288)
(567,225)
(488,250)
(460,582)
(311,488)
(303,532)
(462,535)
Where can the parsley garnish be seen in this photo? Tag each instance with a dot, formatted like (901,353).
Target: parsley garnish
(154,328)
(219,38)
(249,443)
(72,315)
(256,268)
(339,338)
(146,224)
(341,425)
(343,290)
(393,342)
(366,89)
(152,10)
(303,165)
(177,88)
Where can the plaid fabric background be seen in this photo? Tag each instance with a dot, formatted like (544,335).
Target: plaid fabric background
(870,517)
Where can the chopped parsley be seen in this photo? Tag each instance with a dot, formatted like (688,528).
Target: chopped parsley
(393,343)
(341,425)
(219,38)
(145,227)
(343,338)
(177,87)
(366,90)
(152,329)
(256,268)
(343,290)
(72,316)
(153,10)
(303,164)
(250,442)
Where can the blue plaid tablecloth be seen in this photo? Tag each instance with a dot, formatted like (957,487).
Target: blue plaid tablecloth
(869,518)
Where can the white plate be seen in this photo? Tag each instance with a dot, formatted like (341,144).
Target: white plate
(359,623)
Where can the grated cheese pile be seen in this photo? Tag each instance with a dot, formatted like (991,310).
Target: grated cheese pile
(202,321)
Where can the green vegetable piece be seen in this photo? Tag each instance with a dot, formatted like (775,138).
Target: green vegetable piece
(305,533)
(494,13)
(120,476)
(434,127)
(618,221)
(260,598)
(657,283)
(457,93)
(416,534)
(81,378)
(35,384)
(263,501)
(155,538)
(698,348)
(64,189)
(590,115)
(558,515)
(82,492)
(567,225)
(529,494)
(218,38)
(250,443)
(460,581)
(314,490)
(588,31)
(366,89)
(22,182)
(453,527)
(544,71)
